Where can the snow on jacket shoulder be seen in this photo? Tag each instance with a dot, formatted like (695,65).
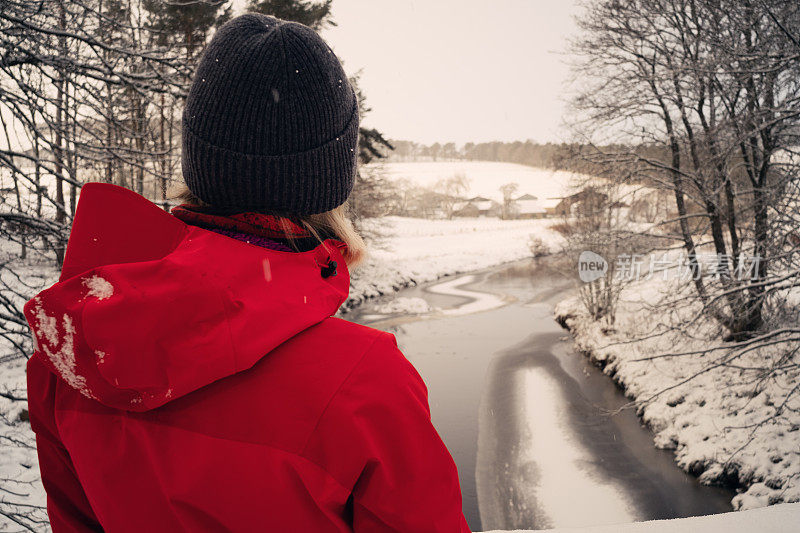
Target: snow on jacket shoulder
(186,381)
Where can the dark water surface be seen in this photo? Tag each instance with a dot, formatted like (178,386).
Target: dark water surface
(527,419)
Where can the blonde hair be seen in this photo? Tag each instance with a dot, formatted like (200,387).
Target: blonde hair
(334,222)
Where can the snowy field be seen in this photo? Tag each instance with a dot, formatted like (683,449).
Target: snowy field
(722,426)
(486,178)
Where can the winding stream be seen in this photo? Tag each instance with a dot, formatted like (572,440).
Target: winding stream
(525,417)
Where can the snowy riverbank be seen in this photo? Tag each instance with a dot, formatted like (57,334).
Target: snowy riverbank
(783,518)
(417,250)
(725,424)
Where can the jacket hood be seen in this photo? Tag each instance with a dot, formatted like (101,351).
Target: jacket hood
(149,309)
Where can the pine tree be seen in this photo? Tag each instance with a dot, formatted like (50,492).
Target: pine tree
(187,21)
(315,15)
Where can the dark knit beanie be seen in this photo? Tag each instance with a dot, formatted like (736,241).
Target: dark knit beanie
(271,121)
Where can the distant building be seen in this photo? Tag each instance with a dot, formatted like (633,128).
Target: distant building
(484,205)
(528,206)
(477,207)
(588,200)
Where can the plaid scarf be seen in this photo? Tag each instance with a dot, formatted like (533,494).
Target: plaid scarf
(268,231)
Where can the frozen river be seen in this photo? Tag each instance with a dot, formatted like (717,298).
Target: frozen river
(529,422)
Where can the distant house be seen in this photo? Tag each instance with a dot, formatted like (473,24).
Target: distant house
(477,207)
(561,209)
(587,200)
(528,206)
(484,205)
(466,209)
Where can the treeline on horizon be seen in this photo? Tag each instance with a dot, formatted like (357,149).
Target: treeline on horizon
(573,157)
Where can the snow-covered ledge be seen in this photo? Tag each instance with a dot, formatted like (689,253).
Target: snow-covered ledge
(783,518)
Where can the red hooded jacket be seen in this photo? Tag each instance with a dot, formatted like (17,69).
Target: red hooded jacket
(187,381)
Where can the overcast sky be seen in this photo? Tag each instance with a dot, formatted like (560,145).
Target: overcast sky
(458,70)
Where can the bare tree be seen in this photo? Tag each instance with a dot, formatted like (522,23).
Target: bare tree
(451,190)
(701,99)
(723,99)
(508,191)
(82,86)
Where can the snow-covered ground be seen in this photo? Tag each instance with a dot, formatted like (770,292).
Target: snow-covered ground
(19,467)
(725,422)
(784,518)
